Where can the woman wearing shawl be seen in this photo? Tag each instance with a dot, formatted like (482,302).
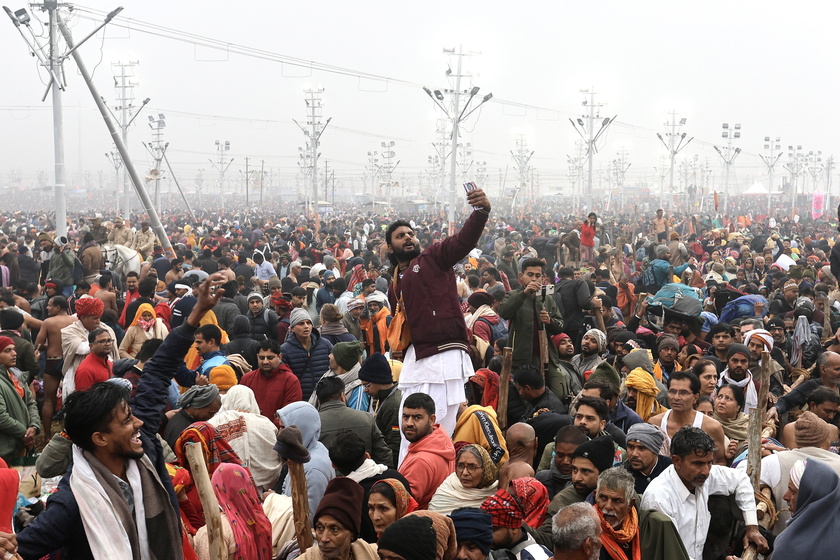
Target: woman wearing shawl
(474,480)
(245,528)
(356,278)
(814,528)
(250,435)
(145,326)
(534,499)
(729,407)
(214,447)
(388,501)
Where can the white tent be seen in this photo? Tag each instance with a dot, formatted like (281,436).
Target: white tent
(756,188)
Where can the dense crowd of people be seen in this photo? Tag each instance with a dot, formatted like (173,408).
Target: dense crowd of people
(530,387)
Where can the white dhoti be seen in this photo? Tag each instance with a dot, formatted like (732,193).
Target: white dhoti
(442,377)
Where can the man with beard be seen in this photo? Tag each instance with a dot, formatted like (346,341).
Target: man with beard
(431,455)
(683,392)
(528,315)
(757,341)
(530,384)
(589,460)
(781,344)
(436,361)
(565,352)
(594,342)
(682,491)
(737,372)
(643,459)
(621,416)
(629,532)
(576,533)
(559,475)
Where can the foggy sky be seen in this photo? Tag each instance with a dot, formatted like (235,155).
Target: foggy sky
(770,66)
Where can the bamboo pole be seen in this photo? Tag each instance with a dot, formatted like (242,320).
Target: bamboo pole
(209,503)
(756,424)
(504,387)
(300,506)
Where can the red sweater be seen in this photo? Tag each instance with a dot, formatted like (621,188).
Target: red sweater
(428,462)
(93,369)
(275,391)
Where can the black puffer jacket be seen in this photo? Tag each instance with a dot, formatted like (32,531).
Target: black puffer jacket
(309,365)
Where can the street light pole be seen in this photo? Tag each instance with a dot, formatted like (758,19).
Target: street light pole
(773,151)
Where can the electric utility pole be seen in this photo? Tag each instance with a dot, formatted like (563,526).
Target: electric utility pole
(457,115)
(125,82)
(157,149)
(222,147)
(521,159)
(588,132)
(313,132)
(728,155)
(771,155)
(795,166)
(674,145)
(50,58)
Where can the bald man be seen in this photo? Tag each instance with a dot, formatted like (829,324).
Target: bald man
(522,447)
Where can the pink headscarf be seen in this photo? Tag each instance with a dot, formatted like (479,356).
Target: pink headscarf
(239,501)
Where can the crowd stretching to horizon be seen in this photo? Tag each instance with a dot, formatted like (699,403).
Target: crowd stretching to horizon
(370,350)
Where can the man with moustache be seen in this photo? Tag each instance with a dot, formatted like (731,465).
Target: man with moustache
(682,491)
(629,532)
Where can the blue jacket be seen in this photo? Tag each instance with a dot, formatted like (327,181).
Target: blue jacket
(310,365)
(322,297)
(662,269)
(60,525)
(186,376)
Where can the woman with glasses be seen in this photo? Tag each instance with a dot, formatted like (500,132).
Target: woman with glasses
(475,479)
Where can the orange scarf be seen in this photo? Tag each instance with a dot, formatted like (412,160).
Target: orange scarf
(16,383)
(612,539)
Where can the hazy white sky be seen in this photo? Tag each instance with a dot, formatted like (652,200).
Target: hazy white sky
(770,66)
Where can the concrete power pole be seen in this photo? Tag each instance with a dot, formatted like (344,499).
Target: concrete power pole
(456,114)
(521,159)
(728,155)
(588,132)
(124,113)
(772,153)
(313,132)
(676,142)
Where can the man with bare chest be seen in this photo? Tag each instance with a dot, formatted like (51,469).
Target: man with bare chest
(660,226)
(49,339)
(106,293)
(683,392)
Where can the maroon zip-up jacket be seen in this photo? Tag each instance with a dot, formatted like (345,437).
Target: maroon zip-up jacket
(432,308)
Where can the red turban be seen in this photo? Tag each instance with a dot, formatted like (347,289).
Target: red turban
(89,306)
(505,510)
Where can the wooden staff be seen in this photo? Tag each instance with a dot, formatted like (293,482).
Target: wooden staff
(300,505)
(209,503)
(754,437)
(504,386)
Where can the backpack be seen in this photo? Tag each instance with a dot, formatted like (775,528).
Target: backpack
(497,331)
(676,298)
(78,271)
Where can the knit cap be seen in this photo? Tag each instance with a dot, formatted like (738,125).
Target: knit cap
(341,500)
(376,369)
(298,315)
(347,354)
(600,451)
(413,537)
(223,377)
(647,434)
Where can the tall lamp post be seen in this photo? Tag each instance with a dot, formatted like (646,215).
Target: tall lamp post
(673,145)
(457,115)
(772,153)
(728,155)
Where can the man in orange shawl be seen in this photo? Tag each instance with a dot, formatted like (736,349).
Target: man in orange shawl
(629,533)
(641,393)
